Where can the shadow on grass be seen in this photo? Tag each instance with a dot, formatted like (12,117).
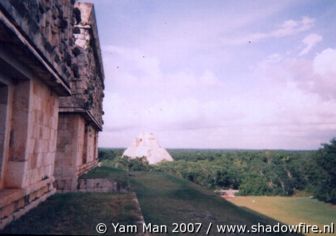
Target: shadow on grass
(166,199)
(76,213)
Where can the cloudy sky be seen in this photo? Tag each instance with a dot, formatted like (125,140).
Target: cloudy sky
(219,74)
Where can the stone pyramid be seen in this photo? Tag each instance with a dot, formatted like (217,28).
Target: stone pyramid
(146,145)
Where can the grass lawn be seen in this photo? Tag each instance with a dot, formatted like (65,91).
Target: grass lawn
(165,199)
(76,213)
(290,210)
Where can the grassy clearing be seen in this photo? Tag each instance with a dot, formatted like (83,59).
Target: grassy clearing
(290,210)
(165,199)
(76,213)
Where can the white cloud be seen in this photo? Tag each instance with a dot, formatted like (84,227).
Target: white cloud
(287,28)
(325,63)
(185,109)
(174,72)
(310,41)
(295,103)
(291,27)
(141,95)
(324,68)
(316,75)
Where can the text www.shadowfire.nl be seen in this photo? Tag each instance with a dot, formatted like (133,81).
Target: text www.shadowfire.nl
(301,228)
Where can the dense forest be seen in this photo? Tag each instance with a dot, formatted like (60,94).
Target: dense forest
(253,172)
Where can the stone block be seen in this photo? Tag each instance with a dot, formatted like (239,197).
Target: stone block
(33,160)
(46,160)
(31,146)
(19,204)
(33,174)
(49,170)
(6,211)
(46,133)
(40,159)
(16,170)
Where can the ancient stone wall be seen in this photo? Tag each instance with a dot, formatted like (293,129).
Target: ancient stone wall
(48,25)
(27,176)
(42,132)
(34,134)
(88,85)
(71,128)
(90,145)
(5,116)
(65,35)
(51,91)
(81,114)
(76,150)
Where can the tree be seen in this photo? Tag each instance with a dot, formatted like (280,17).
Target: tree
(254,185)
(327,161)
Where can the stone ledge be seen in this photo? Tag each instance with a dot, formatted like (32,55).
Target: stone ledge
(16,203)
(86,167)
(85,113)
(9,195)
(43,183)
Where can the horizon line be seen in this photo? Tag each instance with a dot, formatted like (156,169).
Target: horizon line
(233,149)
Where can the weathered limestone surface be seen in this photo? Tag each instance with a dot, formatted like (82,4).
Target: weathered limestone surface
(51,91)
(88,87)
(81,114)
(48,25)
(76,150)
(34,134)
(29,147)
(5,117)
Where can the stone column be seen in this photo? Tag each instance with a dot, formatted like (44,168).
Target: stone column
(18,142)
(5,111)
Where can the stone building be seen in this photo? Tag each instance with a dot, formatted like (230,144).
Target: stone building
(80,117)
(51,91)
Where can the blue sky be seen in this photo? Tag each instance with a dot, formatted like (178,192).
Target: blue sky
(219,74)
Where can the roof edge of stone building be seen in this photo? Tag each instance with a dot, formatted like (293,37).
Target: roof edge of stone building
(86,114)
(56,81)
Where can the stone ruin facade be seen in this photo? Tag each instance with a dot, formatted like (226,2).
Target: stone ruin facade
(51,92)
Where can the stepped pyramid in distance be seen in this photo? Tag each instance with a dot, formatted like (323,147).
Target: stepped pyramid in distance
(146,145)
